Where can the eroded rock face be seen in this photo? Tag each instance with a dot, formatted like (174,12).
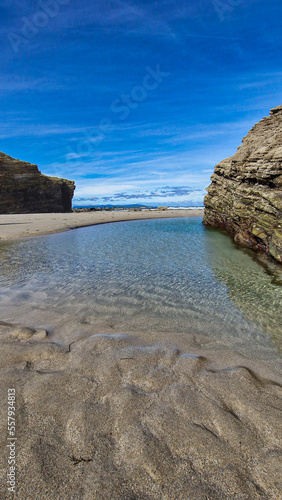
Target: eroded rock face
(245,196)
(24,189)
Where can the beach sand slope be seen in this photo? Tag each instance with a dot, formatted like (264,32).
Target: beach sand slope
(23,225)
(111,417)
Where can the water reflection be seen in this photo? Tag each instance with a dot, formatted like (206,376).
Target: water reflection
(163,275)
(252,288)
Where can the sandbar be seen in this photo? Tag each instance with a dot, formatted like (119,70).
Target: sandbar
(26,225)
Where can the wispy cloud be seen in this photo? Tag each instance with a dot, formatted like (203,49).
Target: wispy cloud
(57,89)
(183,134)
(8,83)
(165,192)
(10,130)
(259,80)
(161,193)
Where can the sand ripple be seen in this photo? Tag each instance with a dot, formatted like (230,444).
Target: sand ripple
(109,417)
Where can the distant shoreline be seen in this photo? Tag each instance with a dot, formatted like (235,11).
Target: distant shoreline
(13,226)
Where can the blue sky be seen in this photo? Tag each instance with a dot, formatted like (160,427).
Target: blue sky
(136,100)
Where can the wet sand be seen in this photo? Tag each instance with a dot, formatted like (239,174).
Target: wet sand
(110,415)
(24,225)
(115,416)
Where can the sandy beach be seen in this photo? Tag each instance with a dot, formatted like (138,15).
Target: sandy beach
(104,415)
(24,225)
(124,415)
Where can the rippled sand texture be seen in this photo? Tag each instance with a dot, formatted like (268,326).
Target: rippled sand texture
(146,365)
(111,418)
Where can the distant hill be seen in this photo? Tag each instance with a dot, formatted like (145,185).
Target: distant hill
(136,205)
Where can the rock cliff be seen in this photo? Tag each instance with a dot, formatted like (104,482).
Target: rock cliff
(245,196)
(24,189)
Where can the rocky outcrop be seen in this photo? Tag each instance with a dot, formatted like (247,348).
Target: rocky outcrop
(245,196)
(23,189)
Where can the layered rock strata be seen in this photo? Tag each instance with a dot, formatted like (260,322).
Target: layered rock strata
(245,196)
(23,189)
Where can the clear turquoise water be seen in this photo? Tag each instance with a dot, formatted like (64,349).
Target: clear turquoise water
(160,275)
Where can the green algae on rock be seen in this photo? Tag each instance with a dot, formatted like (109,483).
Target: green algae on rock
(23,189)
(245,196)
